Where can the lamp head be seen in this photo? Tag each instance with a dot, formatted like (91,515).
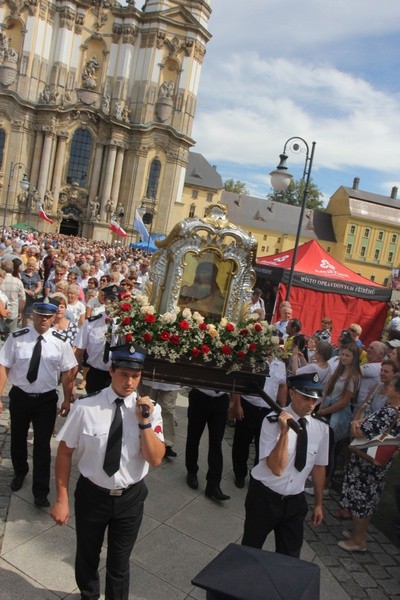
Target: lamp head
(280,178)
(24,183)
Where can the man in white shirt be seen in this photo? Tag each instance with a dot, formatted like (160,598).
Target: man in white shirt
(275,500)
(33,359)
(117,435)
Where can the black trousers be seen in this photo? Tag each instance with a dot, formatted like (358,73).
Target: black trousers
(41,411)
(211,411)
(246,430)
(95,510)
(97,380)
(267,511)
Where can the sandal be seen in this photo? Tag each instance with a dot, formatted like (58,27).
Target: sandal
(342,513)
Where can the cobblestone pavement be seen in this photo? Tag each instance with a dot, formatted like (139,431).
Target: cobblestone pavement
(375,574)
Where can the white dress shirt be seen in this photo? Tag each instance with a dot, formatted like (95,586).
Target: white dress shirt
(87,428)
(291,481)
(56,357)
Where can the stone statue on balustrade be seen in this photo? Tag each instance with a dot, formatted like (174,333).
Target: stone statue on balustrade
(105,105)
(166,89)
(94,210)
(118,111)
(109,210)
(22,200)
(89,73)
(48,201)
(6,52)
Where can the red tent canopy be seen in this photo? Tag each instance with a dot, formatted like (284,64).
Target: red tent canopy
(322,286)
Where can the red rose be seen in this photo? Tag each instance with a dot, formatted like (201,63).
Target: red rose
(252,347)
(125,306)
(257,327)
(147,336)
(123,295)
(241,355)
(150,318)
(126,321)
(195,352)
(230,327)
(164,336)
(205,349)
(202,326)
(128,337)
(175,339)
(226,350)
(244,331)
(184,325)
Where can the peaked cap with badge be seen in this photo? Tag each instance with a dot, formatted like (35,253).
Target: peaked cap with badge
(307,384)
(128,356)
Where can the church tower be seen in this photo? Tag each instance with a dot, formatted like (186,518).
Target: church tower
(97,103)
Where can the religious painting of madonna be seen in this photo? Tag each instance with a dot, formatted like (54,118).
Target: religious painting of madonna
(205,285)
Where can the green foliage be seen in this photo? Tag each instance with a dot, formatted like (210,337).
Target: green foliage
(294,195)
(235,186)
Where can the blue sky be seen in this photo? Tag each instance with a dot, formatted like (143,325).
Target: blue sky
(325,70)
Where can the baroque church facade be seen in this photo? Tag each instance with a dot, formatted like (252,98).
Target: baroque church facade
(97,102)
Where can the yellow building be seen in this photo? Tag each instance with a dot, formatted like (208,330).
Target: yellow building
(367,230)
(97,102)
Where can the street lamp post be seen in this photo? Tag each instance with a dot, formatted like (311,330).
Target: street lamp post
(24,185)
(280,180)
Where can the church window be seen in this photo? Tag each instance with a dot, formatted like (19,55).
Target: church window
(2,143)
(79,160)
(154,176)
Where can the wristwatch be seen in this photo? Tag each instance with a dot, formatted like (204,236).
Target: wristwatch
(145,426)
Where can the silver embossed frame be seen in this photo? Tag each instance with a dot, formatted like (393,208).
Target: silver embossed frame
(205,264)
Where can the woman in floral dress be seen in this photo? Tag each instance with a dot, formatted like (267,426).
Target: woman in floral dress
(363,482)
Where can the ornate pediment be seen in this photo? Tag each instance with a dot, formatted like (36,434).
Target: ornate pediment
(73,201)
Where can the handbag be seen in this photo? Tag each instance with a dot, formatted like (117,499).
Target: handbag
(379,450)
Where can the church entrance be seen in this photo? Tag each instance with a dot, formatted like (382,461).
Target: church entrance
(69,227)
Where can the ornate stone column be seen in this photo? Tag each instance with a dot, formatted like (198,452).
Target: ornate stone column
(58,166)
(45,162)
(37,153)
(108,179)
(116,184)
(96,172)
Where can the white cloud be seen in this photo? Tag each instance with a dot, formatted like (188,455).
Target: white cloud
(276,70)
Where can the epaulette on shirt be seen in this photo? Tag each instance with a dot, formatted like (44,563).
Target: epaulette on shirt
(320,418)
(60,336)
(20,332)
(91,319)
(88,395)
(272,417)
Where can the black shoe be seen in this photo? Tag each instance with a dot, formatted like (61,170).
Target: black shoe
(169,452)
(41,502)
(16,483)
(239,482)
(216,494)
(192,481)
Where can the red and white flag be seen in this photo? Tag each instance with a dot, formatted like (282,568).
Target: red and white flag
(116,228)
(43,215)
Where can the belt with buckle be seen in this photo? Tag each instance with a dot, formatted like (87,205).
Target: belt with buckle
(20,391)
(113,492)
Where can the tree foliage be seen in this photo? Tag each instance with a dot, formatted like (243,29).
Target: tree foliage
(294,195)
(235,186)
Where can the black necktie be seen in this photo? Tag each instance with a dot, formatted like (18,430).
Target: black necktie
(106,353)
(114,442)
(301,448)
(35,361)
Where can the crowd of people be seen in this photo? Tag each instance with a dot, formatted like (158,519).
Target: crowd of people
(54,291)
